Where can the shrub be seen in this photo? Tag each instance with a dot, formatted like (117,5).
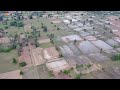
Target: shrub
(66,71)
(89,65)
(78,76)
(14,61)
(115,57)
(51,73)
(22,64)
(60,55)
(21,72)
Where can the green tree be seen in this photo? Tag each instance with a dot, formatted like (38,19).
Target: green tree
(22,64)
(45,29)
(66,71)
(78,76)
(21,72)
(75,41)
(14,61)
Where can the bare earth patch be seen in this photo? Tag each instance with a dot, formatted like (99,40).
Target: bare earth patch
(11,75)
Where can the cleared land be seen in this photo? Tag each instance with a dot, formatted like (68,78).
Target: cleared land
(44,41)
(11,75)
(71,38)
(6,64)
(4,40)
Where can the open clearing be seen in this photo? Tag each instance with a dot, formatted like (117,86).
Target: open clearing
(6,64)
(44,41)
(11,75)
(71,38)
(30,73)
(4,40)
(46,45)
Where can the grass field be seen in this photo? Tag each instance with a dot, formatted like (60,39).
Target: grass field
(46,45)
(6,61)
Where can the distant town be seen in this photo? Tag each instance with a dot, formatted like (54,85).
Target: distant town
(59,44)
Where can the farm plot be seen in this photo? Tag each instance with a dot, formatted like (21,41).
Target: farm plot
(94,32)
(98,57)
(26,55)
(50,53)
(63,76)
(118,49)
(43,71)
(100,75)
(112,73)
(58,66)
(37,56)
(4,40)
(117,39)
(11,75)
(78,29)
(88,48)
(82,33)
(85,60)
(71,38)
(90,38)
(72,26)
(30,73)
(56,21)
(6,64)
(66,51)
(94,67)
(102,45)
(112,42)
(74,49)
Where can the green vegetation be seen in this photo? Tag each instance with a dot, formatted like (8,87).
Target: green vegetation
(22,64)
(78,76)
(6,61)
(114,46)
(79,66)
(115,57)
(5,49)
(66,71)
(21,72)
(89,65)
(46,45)
(51,74)
(17,23)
